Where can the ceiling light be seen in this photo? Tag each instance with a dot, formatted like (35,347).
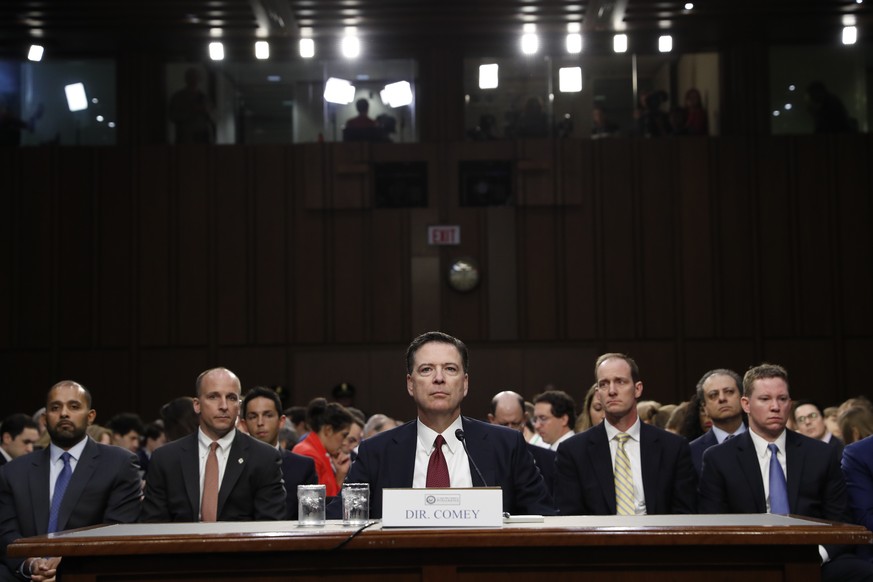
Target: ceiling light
(619,43)
(216,51)
(574,43)
(262,50)
(76,98)
(35,53)
(570,79)
(350,46)
(850,35)
(339,91)
(665,43)
(307,48)
(397,94)
(530,43)
(689,6)
(573,27)
(488,76)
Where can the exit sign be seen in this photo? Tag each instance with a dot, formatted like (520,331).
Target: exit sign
(444,235)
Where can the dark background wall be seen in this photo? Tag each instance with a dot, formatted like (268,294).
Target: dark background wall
(132,269)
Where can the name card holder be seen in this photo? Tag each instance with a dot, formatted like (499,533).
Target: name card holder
(467,507)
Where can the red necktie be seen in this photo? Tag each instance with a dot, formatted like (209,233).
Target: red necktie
(437,469)
(209,503)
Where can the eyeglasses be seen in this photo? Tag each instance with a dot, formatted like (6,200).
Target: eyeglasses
(810,416)
(542,419)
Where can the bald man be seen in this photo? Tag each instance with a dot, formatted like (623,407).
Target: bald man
(249,472)
(507,409)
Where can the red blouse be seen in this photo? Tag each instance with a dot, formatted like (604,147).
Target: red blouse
(311,447)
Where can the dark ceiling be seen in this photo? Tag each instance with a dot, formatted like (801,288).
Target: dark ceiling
(175,27)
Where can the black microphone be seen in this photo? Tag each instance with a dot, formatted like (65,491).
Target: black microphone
(459,434)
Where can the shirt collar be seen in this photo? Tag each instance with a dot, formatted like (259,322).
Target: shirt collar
(426,435)
(75,451)
(633,431)
(223,443)
(761,443)
(720,434)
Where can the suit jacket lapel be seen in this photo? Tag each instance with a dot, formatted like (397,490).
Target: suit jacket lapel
(401,453)
(190,464)
(39,489)
(747,457)
(85,467)
(236,460)
(478,441)
(795,456)
(650,460)
(601,462)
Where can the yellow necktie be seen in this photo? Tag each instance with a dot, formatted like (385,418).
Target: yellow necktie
(624,481)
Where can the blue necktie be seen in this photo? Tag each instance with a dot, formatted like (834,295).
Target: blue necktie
(60,489)
(778,490)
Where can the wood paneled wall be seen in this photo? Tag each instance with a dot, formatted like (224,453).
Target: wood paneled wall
(133,269)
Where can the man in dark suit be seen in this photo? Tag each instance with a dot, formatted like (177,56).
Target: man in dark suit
(719,391)
(857,468)
(74,482)
(261,411)
(249,472)
(770,469)
(436,379)
(507,409)
(18,433)
(623,466)
(809,420)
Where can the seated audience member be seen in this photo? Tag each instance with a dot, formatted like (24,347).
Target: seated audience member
(647,409)
(622,466)
(362,127)
(154,436)
(856,423)
(18,434)
(769,469)
(260,409)
(356,431)
(376,424)
(677,418)
(531,436)
(330,423)
(830,415)
(74,482)
(857,466)
(601,125)
(200,477)
(695,425)
(592,411)
(720,391)
(554,417)
(809,421)
(179,418)
(662,417)
(427,452)
(126,430)
(296,416)
(100,434)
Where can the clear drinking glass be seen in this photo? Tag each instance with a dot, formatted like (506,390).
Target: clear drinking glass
(310,504)
(356,503)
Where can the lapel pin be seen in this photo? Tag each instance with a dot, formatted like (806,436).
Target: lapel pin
(240,461)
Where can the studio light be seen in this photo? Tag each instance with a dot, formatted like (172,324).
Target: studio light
(351,45)
(339,91)
(76,98)
(488,76)
(619,43)
(262,50)
(307,48)
(850,35)
(574,43)
(397,94)
(665,43)
(570,79)
(35,53)
(530,43)
(216,51)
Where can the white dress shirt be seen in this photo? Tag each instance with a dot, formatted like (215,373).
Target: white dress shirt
(57,464)
(221,453)
(565,436)
(453,450)
(632,448)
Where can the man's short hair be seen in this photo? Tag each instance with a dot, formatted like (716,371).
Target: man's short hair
(296,414)
(125,422)
(261,392)
(153,430)
(806,402)
(496,399)
(357,416)
(762,372)
(15,424)
(375,424)
(198,383)
(562,405)
(88,399)
(635,370)
(717,372)
(439,337)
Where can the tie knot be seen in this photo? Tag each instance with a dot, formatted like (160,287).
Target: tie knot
(622,438)
(439,441)
(212,446)
(65,457)
(773,449)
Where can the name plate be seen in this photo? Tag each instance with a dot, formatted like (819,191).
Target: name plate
(473,507)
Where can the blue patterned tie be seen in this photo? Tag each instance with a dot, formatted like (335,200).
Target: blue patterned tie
(778,490)
(60,489)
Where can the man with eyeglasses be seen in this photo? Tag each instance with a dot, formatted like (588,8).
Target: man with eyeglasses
(809,420)
(554,417)
(719,391)
(507,409)
(623,466)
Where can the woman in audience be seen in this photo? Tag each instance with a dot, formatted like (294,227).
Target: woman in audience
(101,434)
(330,424)
(677,419)
(647,409)
(592,411)
(696,421)
(855,423)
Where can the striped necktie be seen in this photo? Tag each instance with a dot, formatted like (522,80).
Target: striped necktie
(624,480)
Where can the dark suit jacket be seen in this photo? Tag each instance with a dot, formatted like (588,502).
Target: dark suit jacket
(296,470)
(387,460)
(699,445)
(250,490)
(732,483)
(104,488)
(585,484)
(857,468)
(545,460)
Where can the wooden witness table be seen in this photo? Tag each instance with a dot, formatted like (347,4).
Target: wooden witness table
(695,548)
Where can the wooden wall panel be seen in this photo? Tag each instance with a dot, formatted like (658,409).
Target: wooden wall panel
(856,362)
(156,251)
(494,368)
(657,235)
(349,279)
(166,374)
(538,254)
(734,236)
(617,270)
(545,368)
(271,274)
(702,356)
(27,376)
(580,235)
(658,370)
(256,365)
(697,239)
(233,273)
(814,236)
(310,279)
(103,372)
(774,274)
(36,233)
(464,314)
(574,172)
(8,237)
(810,364)
(195,275)
(113,298)
(536,172)
(501,273)
(386,265)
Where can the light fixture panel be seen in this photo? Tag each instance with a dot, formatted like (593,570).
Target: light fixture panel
(488,76)
(619,43)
